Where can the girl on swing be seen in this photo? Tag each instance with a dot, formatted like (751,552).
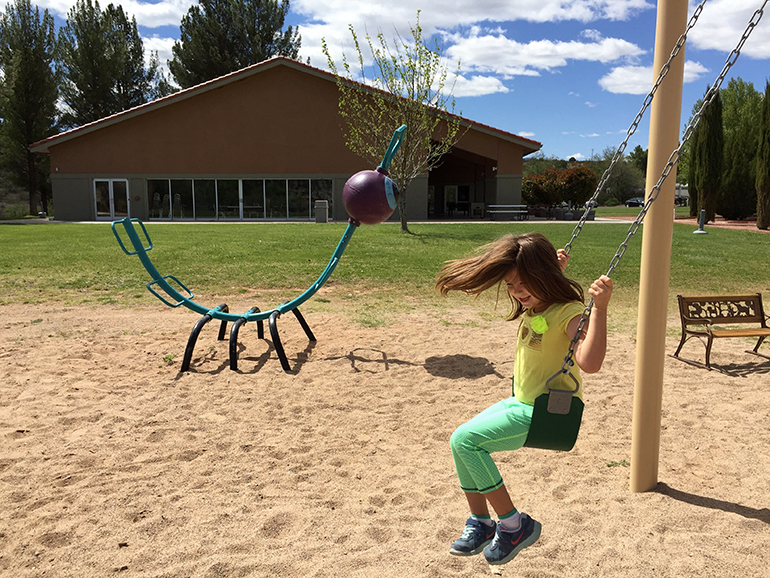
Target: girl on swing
(550,306)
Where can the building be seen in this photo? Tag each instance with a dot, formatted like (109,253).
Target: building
(262,143)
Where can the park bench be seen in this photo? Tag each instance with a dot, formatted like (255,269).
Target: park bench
(704,316)
(517,212)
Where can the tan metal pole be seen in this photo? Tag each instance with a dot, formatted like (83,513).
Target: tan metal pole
(665,114)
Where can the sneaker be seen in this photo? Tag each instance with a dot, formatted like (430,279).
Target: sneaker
(475,536)
(506,544)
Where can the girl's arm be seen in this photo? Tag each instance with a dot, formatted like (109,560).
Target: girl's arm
(592,345)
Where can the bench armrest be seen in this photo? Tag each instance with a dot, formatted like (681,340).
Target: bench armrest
(696,321)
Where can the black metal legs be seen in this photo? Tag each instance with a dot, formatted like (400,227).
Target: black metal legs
(234,336)
(273,324)
(196,331)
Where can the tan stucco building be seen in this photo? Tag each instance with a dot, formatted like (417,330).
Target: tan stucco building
(264,142)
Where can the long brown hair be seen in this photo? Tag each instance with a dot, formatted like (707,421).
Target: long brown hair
(533,257)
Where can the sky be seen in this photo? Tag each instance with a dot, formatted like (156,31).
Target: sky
(570,74)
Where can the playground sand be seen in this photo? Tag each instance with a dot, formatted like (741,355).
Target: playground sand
(115,464)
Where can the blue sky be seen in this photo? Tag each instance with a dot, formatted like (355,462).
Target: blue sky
(571,74)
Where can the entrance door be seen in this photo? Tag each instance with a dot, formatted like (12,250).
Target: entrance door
(111,198)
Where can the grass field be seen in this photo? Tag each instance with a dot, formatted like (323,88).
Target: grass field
(382,269)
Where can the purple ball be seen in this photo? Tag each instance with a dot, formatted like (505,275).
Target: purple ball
(370,197)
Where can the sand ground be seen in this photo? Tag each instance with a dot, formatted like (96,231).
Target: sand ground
(113,463)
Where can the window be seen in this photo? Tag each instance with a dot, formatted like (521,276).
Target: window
(299,198)
(158,191)
(253,199)
(275,199)
(228,199)
(210,199)
(205,195)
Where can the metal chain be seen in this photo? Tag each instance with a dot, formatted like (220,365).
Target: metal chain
(655,191)
(632,129)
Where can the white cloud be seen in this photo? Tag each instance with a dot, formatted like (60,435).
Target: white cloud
(721,24)
(149,14)
(525,134)
(449,14)
(577,156)
(590,104)
(639,79)
(591,135)
(163,47)
(591,34)
(478,86)
(498,54)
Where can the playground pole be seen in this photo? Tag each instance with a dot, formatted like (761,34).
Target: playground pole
(665,115)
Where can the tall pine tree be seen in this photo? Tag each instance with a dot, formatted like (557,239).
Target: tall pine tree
(221,36)
(708,157)
(102,62)
(28,96)
(740,114)
(763,164)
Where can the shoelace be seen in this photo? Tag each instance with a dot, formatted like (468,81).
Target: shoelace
(468,532)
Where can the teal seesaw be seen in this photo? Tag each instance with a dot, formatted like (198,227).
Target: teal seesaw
(369,197)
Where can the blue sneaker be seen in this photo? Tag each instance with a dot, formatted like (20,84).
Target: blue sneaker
(506,544)
(475,536)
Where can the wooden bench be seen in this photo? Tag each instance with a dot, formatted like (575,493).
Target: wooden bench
(517,211)
(700,316)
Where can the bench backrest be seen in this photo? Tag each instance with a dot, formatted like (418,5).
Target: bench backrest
(722,308)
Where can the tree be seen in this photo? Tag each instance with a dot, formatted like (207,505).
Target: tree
(410,84)
(741,106)
(578,184)
(708,157)
(133,83)
(626,180)
(763,164)
(542,189)
(221,36)
(28,96)
(102,61)
(692,189)
(638,158)
(538,162)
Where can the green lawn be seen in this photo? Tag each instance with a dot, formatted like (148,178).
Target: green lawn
(623,211)
(382,269)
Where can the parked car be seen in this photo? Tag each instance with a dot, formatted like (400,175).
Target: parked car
(635,202)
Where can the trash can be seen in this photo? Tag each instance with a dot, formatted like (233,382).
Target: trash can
(321,211)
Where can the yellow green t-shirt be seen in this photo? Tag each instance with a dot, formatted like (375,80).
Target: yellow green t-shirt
(542,344)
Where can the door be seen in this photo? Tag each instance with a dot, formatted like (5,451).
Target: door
(111,198)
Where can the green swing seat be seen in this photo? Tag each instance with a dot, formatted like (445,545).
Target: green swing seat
(556,419)
(554,431)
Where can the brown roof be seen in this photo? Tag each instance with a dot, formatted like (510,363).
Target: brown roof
(43,146)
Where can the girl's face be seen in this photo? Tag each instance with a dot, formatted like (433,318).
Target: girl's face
(518,291)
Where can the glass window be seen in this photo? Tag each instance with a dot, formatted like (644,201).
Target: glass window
(253,199)
(323,190)
(158,193)
(120,199)
(228,197)
(103,205)
(299,199)
(205,194)
(182,199)
(275,199)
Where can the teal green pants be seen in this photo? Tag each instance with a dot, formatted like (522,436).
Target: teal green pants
(502,427)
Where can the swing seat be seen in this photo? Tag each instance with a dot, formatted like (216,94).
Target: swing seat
(554,431)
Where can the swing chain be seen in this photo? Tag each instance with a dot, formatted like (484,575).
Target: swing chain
(635,124)
(655,191)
